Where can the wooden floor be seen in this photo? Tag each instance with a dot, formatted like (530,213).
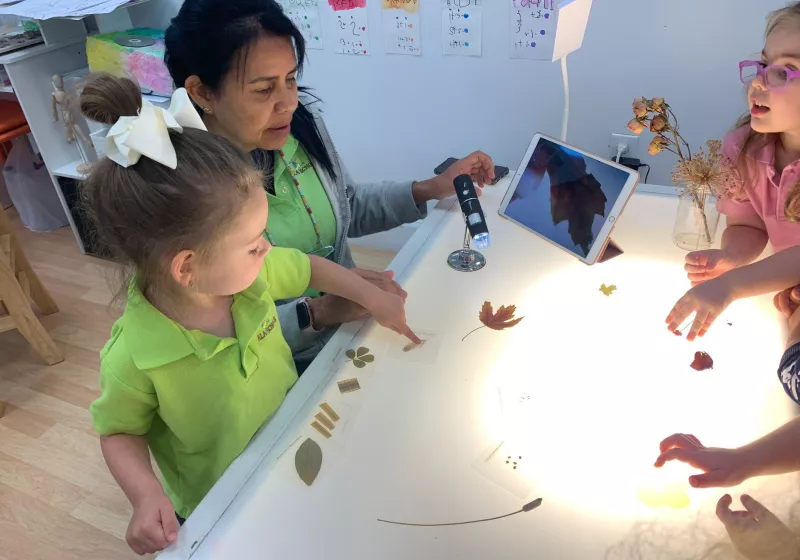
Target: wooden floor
(57,499)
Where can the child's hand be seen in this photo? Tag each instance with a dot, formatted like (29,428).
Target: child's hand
(705,265)
(787,301)
(756,532)
(153,525)
(707,301)
(389,310)
(721,467)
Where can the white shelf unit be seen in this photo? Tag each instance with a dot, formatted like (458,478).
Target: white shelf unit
(70,171)
(31,72)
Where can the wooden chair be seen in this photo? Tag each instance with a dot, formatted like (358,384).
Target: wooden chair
(18,285)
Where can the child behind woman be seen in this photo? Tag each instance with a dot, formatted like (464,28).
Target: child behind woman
(197,362)
(766,149)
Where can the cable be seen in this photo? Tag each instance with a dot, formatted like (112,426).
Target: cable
(526,508)
(621,149)
(647,165)
(565,77)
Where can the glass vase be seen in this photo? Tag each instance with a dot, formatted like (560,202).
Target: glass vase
(697,219)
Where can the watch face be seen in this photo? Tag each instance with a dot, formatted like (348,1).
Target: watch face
(303,315)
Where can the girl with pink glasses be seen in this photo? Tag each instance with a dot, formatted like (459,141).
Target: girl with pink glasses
(766,204)
(766,149)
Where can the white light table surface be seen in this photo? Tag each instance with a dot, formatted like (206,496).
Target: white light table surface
(583,390)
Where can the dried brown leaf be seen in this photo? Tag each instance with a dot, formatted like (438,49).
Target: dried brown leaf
(503,319)
(308,461)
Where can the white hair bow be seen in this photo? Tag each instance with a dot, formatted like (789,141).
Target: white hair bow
(148,133)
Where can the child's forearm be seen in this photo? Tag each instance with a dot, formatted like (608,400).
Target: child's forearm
(331,278)
(773,274)
(775,453)
(744,239)
(128,459)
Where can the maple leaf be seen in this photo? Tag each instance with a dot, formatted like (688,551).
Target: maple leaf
(503,319)
(608,290)
(702,362)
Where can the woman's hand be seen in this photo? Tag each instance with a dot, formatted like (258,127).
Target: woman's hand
(153,525)
(705,265)
(756,532)
(333,310)
(721,467)
(477,165)
(707,301)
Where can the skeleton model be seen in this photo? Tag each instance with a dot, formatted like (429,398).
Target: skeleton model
(61,104)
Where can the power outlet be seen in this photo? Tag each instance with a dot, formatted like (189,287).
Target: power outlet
(632,142)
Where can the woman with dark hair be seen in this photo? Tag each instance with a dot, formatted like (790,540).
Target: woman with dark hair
(240,61)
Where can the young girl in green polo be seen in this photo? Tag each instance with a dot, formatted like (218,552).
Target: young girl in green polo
(197,362)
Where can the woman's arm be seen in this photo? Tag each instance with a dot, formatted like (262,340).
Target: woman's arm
(382,207)
(387,308)
(377,207)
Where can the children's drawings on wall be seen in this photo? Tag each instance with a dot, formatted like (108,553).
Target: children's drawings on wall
(410,6)
(338,5)
(461,27)
(350,29)
(305,15)
(401,31)
(532,29)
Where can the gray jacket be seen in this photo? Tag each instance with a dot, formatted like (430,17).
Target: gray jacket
(360,209)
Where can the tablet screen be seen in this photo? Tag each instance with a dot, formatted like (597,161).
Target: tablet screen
(565,196)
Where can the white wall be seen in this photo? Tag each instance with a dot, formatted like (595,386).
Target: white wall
(397,117)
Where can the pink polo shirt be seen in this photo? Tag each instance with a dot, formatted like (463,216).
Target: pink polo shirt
(765,190)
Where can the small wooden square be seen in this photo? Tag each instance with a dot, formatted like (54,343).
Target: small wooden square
(317,426)
(349,385)
(324,421)
(329,411)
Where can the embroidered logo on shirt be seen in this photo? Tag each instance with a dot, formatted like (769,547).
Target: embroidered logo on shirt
(266,329)
(299,170)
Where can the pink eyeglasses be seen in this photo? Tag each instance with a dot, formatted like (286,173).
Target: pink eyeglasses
(775,78)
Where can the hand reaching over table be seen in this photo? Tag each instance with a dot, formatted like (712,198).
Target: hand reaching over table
(756,532)
(706,301)
(721,467)
(705,265)
(477,165)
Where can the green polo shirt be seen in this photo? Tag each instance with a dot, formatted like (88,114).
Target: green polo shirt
(288,222)
(196,397)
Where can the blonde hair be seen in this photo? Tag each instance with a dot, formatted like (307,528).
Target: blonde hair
(785,16)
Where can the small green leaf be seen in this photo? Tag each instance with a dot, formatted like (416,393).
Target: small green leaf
(350,354)
(308,461)
(359,364)
(362,351)
(369,358)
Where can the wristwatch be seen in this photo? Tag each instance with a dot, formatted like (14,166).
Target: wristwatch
(305,319)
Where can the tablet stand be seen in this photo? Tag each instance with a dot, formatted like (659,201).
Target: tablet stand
(610,251)
(466,259)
